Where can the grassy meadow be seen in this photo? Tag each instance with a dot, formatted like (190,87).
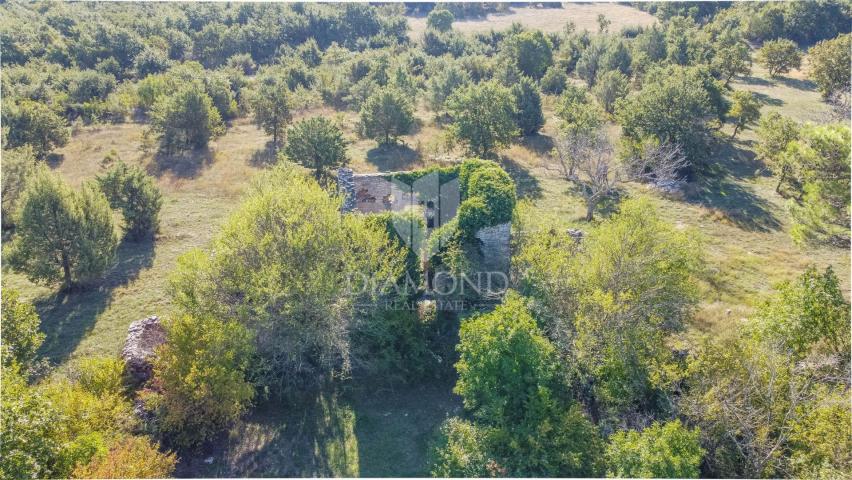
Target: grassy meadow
(378,430)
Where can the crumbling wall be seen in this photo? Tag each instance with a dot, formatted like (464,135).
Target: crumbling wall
(371,192)
(495,246)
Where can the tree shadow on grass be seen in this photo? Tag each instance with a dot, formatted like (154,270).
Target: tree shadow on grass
(393,157)
(68,316)
(767,100)
(527,185)
(539,143)
(751,80)
(313,436)
(264,157)
(187,164)
(799,84)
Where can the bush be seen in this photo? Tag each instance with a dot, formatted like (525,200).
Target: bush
(829,62)
(554,81)
(531,52)
(62,234)
(667,450)
(440,20)
(497,190)
(130,457)
(461,451)
(201,370)
(35,124)
(21,335)
(131,190)
(101,375)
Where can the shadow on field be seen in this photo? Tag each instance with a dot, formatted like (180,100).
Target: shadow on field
(264,157)
(183,165)
(767,100)
(392,157)
(799,84)
(725,188)
(343,430)
(527,185)
(66,317)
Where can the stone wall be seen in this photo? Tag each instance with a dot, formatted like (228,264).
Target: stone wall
(495,246)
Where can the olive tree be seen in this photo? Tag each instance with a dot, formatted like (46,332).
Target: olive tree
(779,56)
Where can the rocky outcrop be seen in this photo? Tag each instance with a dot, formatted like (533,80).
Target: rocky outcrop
(143,337)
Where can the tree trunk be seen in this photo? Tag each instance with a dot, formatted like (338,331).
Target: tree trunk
(590,210)
(736,128)
(780,181)
(66,270)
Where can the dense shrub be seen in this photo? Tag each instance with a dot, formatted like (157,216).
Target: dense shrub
(829,61)
(129,189)
(186,120)
(19,164)
(528,116)
(21,335)
(35,124)
(130,457)
(554,80)
(667,450)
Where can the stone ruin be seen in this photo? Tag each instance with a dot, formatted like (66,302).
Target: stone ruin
(143,337)
(377,193)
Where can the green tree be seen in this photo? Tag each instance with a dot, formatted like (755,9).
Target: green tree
(807,314)
(829,62)
(554,80)
(129,189)
(201,370)
(19,164)
(440,19)
(531,52)
(62,234)
(732,57)
(318,144)
(668,450)
(590,62)
(270,105)
(779,56)
(21,335)
(774,133)
(821,159)
(611,87)
(528,116)
(483,117)
(448,77)
(185,120)
(387,114)
(35,124)
(673,107)
(577,113)
(745,110)
(283,266)
(506,366)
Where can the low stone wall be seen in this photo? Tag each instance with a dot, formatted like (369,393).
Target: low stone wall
(495,246)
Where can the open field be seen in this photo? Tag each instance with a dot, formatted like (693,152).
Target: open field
(378,430)
(584,16)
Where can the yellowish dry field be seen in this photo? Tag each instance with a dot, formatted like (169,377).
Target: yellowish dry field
(584,16)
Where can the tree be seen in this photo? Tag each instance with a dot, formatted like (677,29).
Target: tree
(201,370)
(745,110)
(673,107)
(318,144)
(829,61)
(440,19)
(589,63)
(284,266)
(779,56)
(611,87)
(62,234)
(528,116)
(578,114)
(807,315)
(531,52)
(603,23)
(130,457)
(185,120)
(448,77)
(21,336)
(387,114)
(821,159)
(19,164)
(131,190)
(774,133)
(554,80)
(668,450)
(483,117)
(270,105)
(35,124)
(462,451)
(732,58)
